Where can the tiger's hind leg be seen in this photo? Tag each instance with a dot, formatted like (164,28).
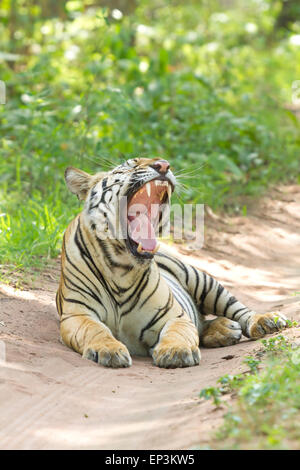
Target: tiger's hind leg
(220,332)
(258,325)
(212,298)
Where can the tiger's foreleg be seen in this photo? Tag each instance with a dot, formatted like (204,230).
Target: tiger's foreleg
(94,341)
(178,345)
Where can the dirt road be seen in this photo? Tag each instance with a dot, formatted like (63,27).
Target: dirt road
(50,398)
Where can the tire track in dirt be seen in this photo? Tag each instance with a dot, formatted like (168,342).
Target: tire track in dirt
(53,401)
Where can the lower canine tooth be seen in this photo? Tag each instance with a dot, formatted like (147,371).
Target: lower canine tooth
(162,195)
(155,249)
(140,249)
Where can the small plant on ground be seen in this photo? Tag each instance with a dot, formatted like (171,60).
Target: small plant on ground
(266,413)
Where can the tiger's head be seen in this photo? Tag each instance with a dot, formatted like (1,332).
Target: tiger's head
(125,204)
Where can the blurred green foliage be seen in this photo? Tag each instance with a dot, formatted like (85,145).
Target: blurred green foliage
(201,83)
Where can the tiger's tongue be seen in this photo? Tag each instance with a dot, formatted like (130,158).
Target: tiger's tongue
(143,211)
(142,231)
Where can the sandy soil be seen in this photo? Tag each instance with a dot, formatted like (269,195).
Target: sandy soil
(50,398)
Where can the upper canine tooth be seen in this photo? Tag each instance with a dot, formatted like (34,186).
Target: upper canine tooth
(148,188)
(169,191)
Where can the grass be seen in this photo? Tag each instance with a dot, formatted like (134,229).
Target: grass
(266,409)
(91,91)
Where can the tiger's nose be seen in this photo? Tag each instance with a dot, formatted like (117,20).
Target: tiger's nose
(161,166)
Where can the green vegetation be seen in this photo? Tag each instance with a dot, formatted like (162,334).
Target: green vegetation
(199,83)
(265,414)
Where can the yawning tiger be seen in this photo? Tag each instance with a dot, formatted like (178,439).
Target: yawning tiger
(119,294)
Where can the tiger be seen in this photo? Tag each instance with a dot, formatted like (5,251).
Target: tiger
(123,295)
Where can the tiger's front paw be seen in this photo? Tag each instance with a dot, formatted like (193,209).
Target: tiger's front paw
(171,357)
(113,355)
(259,325)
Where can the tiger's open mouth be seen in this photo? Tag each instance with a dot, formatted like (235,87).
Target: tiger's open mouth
(144,211)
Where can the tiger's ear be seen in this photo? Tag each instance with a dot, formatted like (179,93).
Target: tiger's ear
(78,181)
